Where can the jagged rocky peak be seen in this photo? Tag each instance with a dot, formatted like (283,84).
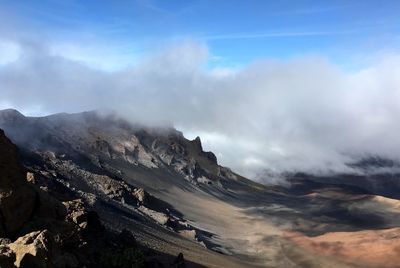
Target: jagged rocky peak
(197,143)
(199,147)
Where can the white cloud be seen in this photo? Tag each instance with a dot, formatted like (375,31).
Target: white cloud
(9,51)
(304,114)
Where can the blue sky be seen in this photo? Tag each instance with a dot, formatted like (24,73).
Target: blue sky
(236,32)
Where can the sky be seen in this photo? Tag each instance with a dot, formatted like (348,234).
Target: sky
(269,86)
(116,34)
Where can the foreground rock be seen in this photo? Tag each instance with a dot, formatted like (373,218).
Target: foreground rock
(33,249)
(17,198)
(38,230)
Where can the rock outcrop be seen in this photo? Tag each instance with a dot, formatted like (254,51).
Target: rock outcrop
(17,198)
(33,249)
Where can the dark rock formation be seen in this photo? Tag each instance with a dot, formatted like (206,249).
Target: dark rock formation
(17,198)
(179,261)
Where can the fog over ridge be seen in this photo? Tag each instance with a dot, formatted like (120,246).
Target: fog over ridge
(303,114)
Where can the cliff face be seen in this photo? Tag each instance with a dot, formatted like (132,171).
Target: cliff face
(102,140)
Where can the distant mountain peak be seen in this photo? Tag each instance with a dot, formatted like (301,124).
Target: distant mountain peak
(10,113)
(11,116)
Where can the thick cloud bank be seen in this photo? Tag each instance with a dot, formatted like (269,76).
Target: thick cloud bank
(303,114)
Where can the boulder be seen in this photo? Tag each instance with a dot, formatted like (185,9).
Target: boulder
(33,250)
(88,221)
(30,177)
(75,211)
(204,180)
(190,234)
(141,195)
(159,217)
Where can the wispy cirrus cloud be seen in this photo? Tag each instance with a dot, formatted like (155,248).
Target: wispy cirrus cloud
(274,34)
(311,10)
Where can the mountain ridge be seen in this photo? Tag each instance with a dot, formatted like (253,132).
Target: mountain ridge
(175,198)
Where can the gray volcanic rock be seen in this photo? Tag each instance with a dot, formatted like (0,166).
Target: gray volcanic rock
(105,139)
(141,195)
